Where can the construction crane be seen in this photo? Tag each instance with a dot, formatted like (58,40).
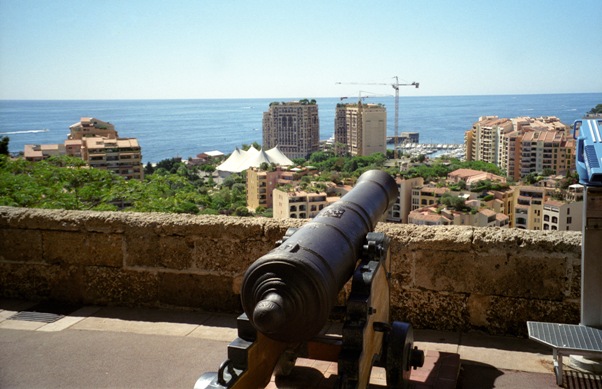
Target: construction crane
(395,86)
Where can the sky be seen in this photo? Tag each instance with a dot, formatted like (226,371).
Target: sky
(194,49)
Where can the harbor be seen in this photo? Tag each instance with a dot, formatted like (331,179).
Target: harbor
(454,150)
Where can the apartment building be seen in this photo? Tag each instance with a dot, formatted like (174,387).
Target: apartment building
(260,185)
(528,207)
(546,150)
(360,129)
(423,196)
(123,156)
(562,216)
(35,153)
(89,127)
(482,141)
(292,126)
(403,204)
(99,145)
(299,204)
(503,202)
(522,145)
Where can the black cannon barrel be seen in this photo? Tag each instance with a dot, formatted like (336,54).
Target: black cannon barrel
(288,293)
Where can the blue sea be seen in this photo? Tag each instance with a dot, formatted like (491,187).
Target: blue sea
(185,128)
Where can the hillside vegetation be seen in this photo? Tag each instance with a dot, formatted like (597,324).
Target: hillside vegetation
(172,186)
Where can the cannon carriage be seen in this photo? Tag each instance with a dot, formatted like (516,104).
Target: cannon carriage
(289,295)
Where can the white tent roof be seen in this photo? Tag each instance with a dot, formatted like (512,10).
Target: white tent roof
(278,157)
(241,160)
(232,161)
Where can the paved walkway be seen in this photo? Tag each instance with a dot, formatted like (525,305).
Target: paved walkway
(111,347)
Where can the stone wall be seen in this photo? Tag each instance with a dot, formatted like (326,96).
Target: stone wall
(447,278)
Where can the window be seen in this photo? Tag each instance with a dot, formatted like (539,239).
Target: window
(569,220)
(554,219)
(546,218)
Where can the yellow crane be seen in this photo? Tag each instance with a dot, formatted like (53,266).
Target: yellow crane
(395,86)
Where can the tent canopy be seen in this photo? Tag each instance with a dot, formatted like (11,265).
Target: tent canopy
(241,160)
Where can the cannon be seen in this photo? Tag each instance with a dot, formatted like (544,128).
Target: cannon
(289,296)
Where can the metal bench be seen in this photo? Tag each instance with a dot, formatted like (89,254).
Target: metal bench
(567,339)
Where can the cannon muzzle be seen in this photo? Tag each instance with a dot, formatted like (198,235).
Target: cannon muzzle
(289,293)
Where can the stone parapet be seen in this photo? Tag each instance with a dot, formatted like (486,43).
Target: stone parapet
(445,278)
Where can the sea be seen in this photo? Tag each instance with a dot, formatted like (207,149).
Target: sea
(185,128)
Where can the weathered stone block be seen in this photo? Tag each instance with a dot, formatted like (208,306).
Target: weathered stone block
(509,316)
(65,247)
(478,306)
(206,291)
(175,252)
(218,255)
(39,281)
(105,222)
(47,219)
(537,277)
(142,248)
(17,245)
(561,242)
(498,273)
(105,285)
(432,239)
(424,309)
(84,249)
(104,250)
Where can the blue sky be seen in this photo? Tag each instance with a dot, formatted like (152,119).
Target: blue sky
(128,49)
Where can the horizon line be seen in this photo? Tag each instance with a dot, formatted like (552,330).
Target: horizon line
(280,98)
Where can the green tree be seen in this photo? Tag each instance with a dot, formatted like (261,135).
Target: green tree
(171,165)
(596,110)
(455,202)
(149,169)
(4,145)
(318,157)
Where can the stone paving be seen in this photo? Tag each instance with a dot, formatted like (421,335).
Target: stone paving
(114,347)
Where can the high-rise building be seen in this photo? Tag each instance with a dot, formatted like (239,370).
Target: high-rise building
(483,140)
(522,145)
(360,129)
(292,126)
